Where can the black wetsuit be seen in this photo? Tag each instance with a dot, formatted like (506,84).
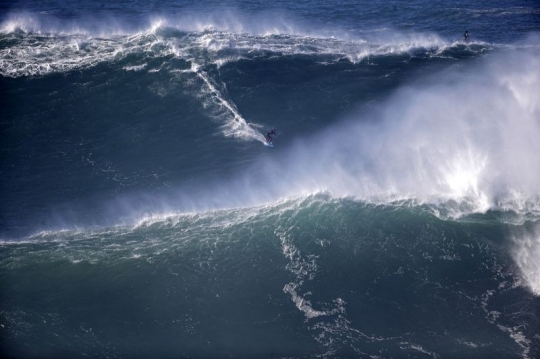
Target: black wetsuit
(269,135)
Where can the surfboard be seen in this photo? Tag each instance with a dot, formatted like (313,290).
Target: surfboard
(269,144)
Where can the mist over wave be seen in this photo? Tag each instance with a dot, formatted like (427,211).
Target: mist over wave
(264,22)
(526,253)
(469,133)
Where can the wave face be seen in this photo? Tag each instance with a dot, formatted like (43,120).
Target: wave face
(315,276)
(396,216)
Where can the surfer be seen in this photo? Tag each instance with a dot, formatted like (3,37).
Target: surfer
(269,135)
(466,36)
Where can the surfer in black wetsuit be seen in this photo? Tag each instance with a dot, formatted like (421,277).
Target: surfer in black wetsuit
(466,36)
(269,135)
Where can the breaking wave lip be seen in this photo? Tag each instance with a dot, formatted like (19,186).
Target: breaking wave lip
(324,316)
(40,50)
(150,218)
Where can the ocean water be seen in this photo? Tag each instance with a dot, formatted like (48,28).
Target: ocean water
(397,216)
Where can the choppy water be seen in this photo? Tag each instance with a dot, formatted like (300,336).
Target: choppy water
(396,216)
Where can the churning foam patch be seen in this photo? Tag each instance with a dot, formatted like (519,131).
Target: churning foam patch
(51,45)
(36,55)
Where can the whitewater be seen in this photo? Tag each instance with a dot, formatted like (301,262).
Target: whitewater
(397,216)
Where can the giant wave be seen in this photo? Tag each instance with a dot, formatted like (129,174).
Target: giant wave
(406,226)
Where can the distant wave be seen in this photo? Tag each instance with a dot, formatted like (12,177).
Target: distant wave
(33,49)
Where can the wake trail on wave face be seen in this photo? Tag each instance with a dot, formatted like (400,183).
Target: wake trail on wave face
(237,126)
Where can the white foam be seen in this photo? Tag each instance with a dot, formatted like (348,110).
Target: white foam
(301,303)
(135,67)
(515,332)
(520,339)
(304,268)
(43,49)
(419,348)
(36,55)
(526,253)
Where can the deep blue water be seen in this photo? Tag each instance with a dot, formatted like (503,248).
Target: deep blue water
(397,215)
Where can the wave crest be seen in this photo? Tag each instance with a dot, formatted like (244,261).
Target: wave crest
(36,46)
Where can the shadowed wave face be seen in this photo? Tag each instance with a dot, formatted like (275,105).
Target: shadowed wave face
(396,216)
